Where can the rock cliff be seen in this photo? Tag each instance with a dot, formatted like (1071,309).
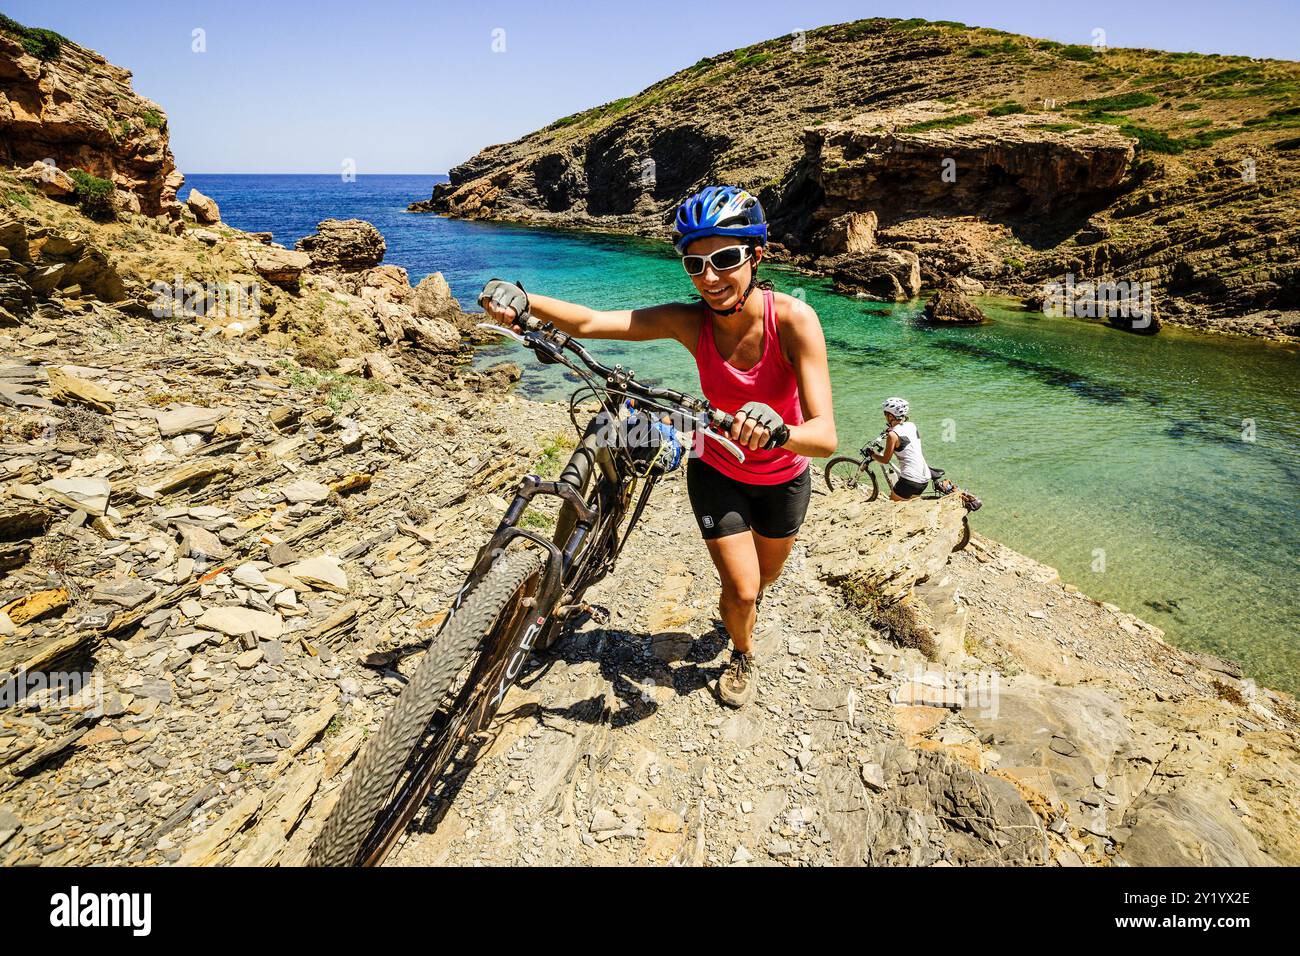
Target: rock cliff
(65,104)
(1003,158)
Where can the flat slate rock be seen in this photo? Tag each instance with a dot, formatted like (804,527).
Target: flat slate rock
(129,593)
(322,573)
(188,418)
(237,621)
(305,491)
(87,494)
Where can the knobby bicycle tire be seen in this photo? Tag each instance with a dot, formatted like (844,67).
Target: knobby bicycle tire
(381,762)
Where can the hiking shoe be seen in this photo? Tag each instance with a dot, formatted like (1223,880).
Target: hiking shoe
(738,682)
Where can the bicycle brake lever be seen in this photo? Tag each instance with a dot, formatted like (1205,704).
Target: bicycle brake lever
(501,330)
(726,443)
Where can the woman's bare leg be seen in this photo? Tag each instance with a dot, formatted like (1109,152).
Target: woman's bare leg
(772,554)
(736,559)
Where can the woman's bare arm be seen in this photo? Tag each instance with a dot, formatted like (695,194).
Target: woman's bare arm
(891,444)
(657,322)
(816,437)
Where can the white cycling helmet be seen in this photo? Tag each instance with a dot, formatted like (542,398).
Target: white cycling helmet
(897,407)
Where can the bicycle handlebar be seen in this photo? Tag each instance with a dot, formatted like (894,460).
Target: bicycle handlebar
(710,421)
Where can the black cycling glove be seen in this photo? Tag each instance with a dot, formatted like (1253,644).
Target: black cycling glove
(766,415)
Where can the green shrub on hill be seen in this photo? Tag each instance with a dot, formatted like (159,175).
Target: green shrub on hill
(1114,104)
(94,195)
(42,44)
(1075,51)
(753,59)
(1002,48)
(943,122)
(1153,140)
(1284,118)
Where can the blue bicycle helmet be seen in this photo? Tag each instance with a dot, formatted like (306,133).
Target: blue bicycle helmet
(719,211)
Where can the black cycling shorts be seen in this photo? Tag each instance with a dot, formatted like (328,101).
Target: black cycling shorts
(906,488)
(725,506)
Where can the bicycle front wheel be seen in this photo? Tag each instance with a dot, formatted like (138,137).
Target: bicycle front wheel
(843,471)
(493,612)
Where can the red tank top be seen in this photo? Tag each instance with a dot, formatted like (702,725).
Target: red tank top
(772,381)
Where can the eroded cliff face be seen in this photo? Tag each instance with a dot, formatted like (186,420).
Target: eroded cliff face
(1008,169)
(628,178)
(77,110)
(1175,169)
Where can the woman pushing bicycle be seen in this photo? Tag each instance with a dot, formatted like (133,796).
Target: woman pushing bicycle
(761,358)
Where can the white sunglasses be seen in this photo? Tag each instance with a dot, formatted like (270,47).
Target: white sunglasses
(722,260)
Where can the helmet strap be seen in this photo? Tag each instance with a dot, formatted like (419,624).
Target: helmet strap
(744,296)
(735,308)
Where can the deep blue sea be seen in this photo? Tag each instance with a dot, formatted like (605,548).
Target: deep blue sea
(1158,473)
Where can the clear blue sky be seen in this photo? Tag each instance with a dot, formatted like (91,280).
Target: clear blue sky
(414,87)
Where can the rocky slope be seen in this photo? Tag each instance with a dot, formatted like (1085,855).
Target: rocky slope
(1054,731)
(247,556)
(66,105)
(1002,159)
(331,298)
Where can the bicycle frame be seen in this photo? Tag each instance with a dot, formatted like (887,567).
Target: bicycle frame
(575,559)
(889,471)
(569,566)
(612,492)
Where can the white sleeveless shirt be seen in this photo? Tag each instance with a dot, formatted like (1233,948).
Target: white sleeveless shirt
(911,460)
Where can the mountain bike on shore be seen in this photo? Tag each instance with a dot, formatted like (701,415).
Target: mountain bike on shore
(520,594)
(849,471)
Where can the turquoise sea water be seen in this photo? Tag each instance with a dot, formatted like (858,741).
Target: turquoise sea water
(1157,473)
